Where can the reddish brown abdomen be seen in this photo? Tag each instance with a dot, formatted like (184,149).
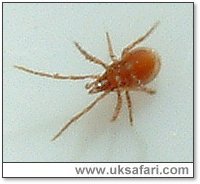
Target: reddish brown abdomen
(137,67)
(144,64)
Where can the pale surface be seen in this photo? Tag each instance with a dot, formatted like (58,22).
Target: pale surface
(40,36)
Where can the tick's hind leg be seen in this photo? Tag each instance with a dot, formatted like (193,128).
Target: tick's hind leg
(129,104)
(56,75)
(118,106)
(77,116)
(110,48)
(149,91)
(139,40)
(89,57)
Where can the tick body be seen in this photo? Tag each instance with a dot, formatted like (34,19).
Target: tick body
(134,70)
(131,72)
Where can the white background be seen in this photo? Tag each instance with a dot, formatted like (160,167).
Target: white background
(40,36)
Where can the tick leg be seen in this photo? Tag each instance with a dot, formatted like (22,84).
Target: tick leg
(77,116)
(129,103)
(110,48)
(150,91)
(89,57)
(139,40)
(55,76)
(118,106)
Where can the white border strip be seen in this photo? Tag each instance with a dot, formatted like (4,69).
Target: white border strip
(98,170)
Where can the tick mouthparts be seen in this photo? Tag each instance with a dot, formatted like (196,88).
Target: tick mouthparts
(89,85)
(93,90)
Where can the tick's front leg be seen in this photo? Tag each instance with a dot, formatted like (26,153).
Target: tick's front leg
(56,75)
(77,116)
(89,57)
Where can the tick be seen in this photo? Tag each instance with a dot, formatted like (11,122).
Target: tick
(131,72)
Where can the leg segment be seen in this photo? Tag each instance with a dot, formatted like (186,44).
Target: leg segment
(132,45)
(147,90)
(129,103)
(55,76)
(110,49)
(89,57)
(77,116)
(118,106)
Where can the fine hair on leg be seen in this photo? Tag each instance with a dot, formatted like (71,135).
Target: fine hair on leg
(56,75)
(139,40)
(110,48)
(129,104)
(118,106)
(77,116)
(89,57)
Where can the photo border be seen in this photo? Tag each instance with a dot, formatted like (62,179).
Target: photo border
(112,162)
